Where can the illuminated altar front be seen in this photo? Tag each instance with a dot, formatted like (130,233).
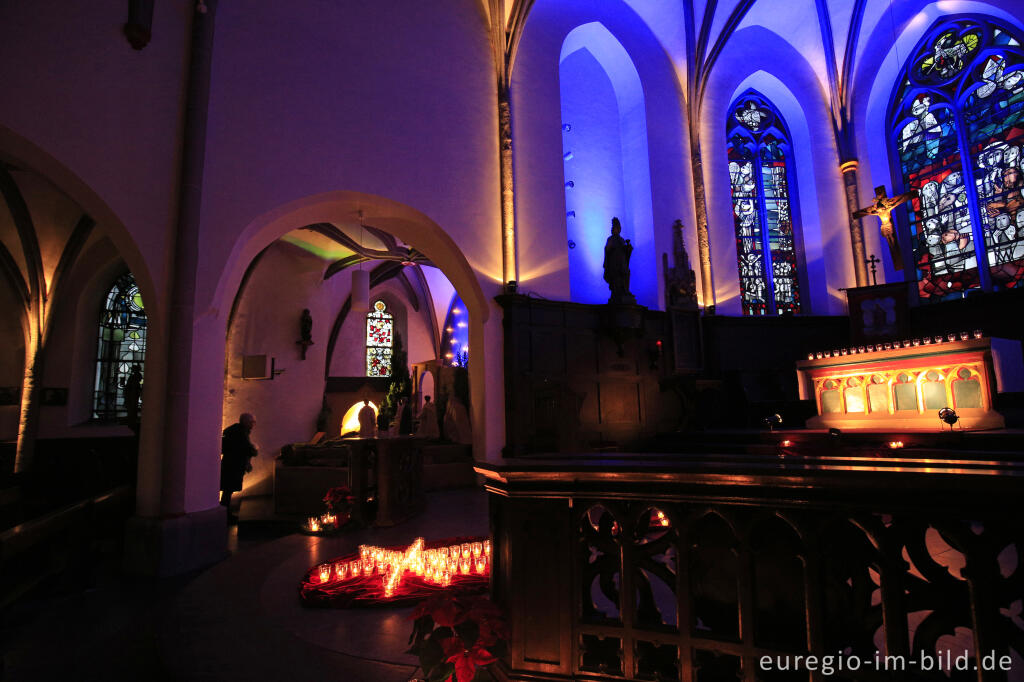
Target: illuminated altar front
(903,385)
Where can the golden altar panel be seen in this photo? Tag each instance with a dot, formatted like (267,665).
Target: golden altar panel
(903,385)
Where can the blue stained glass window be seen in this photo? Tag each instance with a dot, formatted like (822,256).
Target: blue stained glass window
(759,150)
(957,126)
(380,341)
(121,348)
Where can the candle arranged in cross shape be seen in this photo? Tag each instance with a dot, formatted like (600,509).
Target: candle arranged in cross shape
(435,565)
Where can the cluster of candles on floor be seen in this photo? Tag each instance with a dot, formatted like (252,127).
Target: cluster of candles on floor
(437,565)
(319,523)
(890,345)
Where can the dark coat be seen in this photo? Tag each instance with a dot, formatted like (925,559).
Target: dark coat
(237,451)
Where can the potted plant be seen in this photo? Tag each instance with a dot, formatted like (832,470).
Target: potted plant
(457,639)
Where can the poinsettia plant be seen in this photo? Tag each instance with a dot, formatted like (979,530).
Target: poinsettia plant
(456,639)
(339,499)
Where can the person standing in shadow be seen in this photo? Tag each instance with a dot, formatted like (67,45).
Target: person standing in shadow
(237,453)
(132,394)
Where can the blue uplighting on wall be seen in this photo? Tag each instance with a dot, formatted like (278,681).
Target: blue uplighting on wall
(606,162)
(455,334)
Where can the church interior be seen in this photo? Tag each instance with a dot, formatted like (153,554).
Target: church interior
(582,340)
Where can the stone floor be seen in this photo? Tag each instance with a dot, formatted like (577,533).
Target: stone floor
(238,620)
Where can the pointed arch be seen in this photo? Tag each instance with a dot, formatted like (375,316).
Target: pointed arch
(759,149)
(955,122)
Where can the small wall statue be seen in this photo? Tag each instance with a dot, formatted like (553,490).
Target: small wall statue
(305,331)
(680,280)
(617,252)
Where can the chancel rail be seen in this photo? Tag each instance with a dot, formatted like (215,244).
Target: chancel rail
(683,569)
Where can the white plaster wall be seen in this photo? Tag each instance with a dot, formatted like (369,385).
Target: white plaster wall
(388,99)
(107,114)
(823,236)
(284,281)
(536,117)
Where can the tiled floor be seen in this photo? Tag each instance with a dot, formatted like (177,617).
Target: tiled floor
(238,620)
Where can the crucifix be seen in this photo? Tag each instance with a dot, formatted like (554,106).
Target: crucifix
(882,207)
(873,261)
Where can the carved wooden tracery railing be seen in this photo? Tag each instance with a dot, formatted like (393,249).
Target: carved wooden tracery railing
(679,575)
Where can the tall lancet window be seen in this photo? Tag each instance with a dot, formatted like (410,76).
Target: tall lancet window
(957,136)
(380,340)
(759,151)
(121,350)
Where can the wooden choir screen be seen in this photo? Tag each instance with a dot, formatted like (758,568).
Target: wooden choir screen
(699,576)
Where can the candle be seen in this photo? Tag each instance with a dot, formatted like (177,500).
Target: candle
(917,342)
(481,565)
(478,549)
(977,333)
(487,547)
(325,573)
(964,336)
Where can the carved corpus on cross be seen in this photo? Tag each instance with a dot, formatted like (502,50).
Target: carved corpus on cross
(882,207)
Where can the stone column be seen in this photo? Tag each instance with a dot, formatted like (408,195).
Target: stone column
(860,268)
(508,218)
(180,538)
(707,285)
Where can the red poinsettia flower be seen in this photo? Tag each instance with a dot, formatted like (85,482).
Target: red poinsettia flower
(466,661)
(443,608)
(489,619)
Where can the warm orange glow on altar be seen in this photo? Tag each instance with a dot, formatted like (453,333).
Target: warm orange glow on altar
(436,565)
(902,384)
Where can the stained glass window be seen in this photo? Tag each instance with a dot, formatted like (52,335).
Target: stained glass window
(380,338)
(957,124)
(759,149)
(121,349)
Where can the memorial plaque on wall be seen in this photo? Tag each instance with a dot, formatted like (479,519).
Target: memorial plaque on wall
(879,313)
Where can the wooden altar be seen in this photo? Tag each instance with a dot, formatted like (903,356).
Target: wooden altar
(385,474)
(903,385)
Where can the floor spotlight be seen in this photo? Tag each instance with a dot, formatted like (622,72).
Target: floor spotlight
(773,420)
(949,416)
(834,432)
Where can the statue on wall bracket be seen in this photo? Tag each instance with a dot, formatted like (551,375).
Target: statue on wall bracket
(617,252)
